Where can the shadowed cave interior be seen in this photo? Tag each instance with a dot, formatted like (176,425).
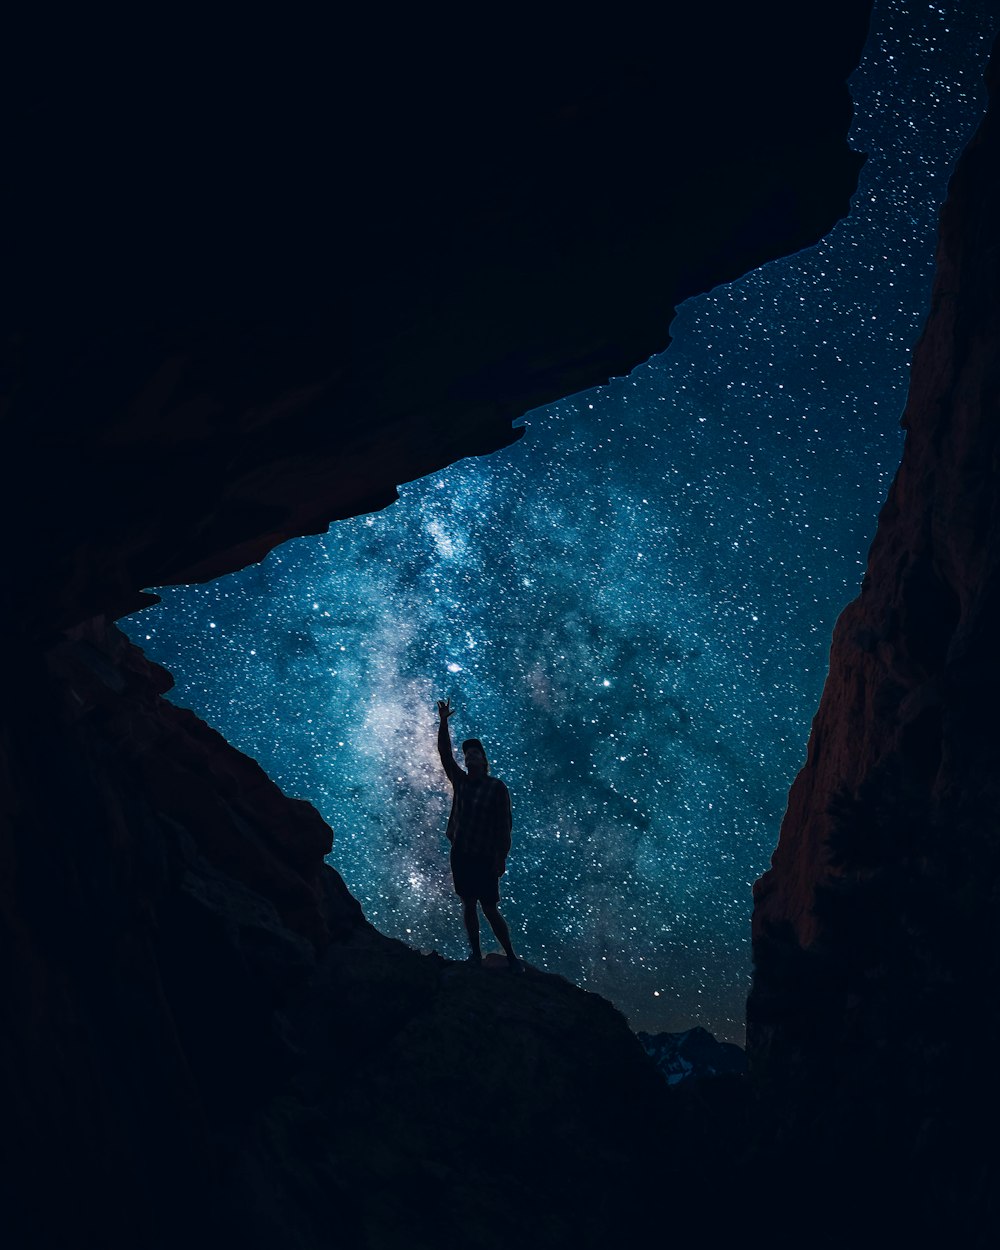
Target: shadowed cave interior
(205,1039)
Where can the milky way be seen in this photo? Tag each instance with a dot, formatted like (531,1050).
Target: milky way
(632,607)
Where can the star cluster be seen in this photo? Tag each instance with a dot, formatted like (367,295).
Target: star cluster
(632,607)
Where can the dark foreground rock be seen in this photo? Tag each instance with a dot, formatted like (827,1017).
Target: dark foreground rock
(458,1106)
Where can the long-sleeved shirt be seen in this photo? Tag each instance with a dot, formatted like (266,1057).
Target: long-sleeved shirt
(480,822)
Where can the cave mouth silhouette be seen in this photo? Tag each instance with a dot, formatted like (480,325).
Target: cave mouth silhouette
(143,984)
(564,600)
(627,490)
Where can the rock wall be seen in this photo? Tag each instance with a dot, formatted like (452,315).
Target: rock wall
(876,943)
(160,899)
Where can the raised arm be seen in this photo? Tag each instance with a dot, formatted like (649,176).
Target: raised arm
(444,741)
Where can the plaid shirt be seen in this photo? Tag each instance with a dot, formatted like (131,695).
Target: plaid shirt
(480,821)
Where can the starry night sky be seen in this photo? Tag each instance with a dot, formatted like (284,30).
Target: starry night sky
(632,607)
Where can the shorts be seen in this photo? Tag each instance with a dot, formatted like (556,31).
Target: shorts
(475,879)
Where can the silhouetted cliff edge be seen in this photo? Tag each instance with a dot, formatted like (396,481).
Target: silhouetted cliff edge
(876,930)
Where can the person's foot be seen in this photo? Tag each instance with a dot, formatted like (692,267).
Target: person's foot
(514,964)
(476,961)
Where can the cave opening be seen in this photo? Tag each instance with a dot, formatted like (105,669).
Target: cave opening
(632,606)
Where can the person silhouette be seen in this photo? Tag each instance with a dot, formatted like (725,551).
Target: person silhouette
(479,827)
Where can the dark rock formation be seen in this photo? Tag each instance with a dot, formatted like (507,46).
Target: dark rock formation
(877,941)
(252,281)
(255,280)
(469,1107)
(201,1026)
(160,900)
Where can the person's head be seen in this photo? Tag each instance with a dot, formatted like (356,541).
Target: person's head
(476,762)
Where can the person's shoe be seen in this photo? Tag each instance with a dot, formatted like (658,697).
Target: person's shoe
(476,961)
(514,964)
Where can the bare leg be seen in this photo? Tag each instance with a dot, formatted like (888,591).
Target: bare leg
(471,917)
(499,927)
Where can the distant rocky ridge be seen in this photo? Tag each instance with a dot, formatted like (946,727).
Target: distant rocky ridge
(692,1055)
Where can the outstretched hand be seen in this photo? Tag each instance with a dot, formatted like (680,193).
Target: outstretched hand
(445,709)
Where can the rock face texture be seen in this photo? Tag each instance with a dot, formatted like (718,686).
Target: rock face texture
(876,929)
(254,279)
(160,899)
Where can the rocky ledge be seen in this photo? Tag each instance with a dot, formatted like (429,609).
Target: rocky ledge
(248,1056)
